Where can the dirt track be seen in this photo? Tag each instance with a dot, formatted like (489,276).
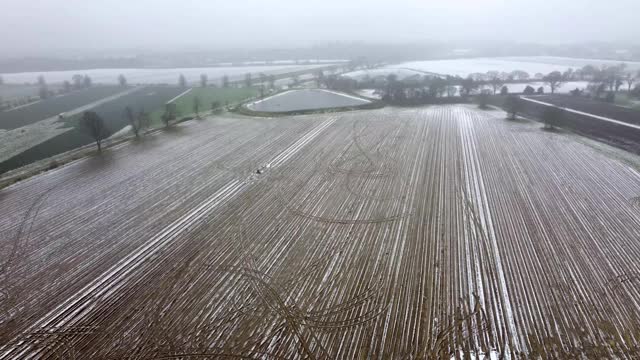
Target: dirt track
(421,233)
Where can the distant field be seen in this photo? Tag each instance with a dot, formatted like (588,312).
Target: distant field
(53,106)
(532,65)
(10,92)
(156,76)
(563,89)
(308,99)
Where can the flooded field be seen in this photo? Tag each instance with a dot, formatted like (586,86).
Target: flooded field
(307,99)
(423,233)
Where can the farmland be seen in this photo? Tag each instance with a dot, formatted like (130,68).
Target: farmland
(612,124)
(12,92)
(207,96)
(395,233)
(157,76)
(53,106)
(595,107)
(65,135)
(307,99)
(532,65)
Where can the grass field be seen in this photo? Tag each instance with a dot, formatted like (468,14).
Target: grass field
(623,99)
(207,96)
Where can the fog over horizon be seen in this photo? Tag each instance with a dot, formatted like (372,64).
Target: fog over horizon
(54,26)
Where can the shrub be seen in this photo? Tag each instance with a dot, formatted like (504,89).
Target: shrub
(513,105)
(483,100)
(552,117)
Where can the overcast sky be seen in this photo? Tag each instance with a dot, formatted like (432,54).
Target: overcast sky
(44,25)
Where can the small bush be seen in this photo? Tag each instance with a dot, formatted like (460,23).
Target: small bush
(529,90)
(552,117)
(53,164)
(483,101)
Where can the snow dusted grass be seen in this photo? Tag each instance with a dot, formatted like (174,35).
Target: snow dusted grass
(13,142)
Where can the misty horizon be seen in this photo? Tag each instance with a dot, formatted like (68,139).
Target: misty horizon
(55,27)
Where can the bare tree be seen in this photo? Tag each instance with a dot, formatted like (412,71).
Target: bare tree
(319,78)
(182,81)
(554,80)
(520,75)
(204,79)
(631,79)
(132,120)
(495,80)
(513,105)
(144,120)
(78,80)
(86,81)
(451,91)
(295,80)
(170,113)
(138,122)
(272,81)
(122,80)
(43,92)
(92,124)
(437,86)
(196,106)
(467,86)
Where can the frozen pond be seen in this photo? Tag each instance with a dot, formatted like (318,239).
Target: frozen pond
(306,99)
(156,76)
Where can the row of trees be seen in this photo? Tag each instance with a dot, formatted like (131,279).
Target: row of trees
(249,80)
(611,78)
(93,124)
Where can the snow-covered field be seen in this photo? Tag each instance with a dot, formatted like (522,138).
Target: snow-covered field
(532,65)
(564,89)
(395,69)
(155,76)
